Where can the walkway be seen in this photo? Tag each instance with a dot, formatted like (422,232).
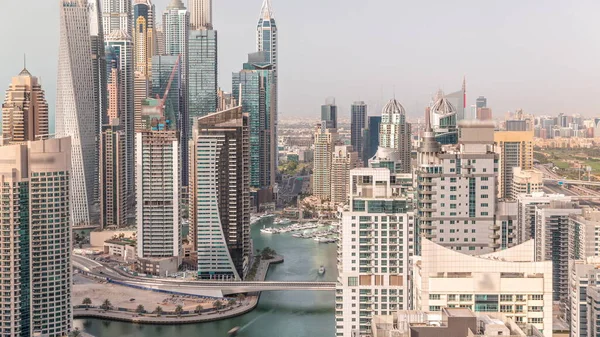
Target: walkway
(248,305)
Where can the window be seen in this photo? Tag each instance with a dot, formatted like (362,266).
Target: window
(484,205)
(452,188)
(352,281)
(434,308)
(451,297)
(453,197)
(506,308)
(484,213)
(434,296)
(484,178)
(484,187)
(465,298)
(452,180)
(484,196)
(452,206)
(536,297)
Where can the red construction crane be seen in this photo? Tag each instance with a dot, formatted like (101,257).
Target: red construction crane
(163,100)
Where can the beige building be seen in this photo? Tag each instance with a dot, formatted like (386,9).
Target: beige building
(25,110)
(113,191)
(515,149)
(36,240)
(344,159)
(526,182)
(324,142)
(510,282)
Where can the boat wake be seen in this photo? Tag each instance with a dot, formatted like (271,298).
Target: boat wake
(254,320)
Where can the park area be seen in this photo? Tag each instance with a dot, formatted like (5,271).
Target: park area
(571,163)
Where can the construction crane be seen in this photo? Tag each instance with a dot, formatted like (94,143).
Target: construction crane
(162,101)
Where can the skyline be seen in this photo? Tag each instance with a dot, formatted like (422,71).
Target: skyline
(527,51)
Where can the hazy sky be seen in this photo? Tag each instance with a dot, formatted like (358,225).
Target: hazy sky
(542,56)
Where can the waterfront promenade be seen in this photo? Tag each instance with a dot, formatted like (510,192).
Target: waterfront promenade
(247,305)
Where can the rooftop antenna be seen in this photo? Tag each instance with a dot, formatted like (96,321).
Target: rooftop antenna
(24,61)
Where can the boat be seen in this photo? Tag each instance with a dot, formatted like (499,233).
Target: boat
(298,235)
(234,331)
(321,270)
(267,230)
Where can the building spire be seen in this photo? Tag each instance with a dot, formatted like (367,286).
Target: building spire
(464,90)
(266,11)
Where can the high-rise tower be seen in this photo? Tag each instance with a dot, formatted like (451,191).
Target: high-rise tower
(329,112)
(116,15)
(395,132)
(36,238)
(358,124)
(118,44)
(254,84)
(220,194)
(202,79)
(200,14)
(176,21)
(25,110)
(143,35)
(75,105)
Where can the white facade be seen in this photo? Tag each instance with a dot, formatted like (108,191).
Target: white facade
(200,14)
(457,191)
(373,257)
(584,276)
(75,110)
(116,15)
(395,132)
(509,282)
(526,205)
(321,178)
(584,234)
(344,159)
(526,182)
(157,194)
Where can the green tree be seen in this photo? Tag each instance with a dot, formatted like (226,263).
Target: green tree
(140,309)
(87,301)
(218,305)
(199,309)
(178,310)
(231,302)
(241,298)
(106,305)
(158,311)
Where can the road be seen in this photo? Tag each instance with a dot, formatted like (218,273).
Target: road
(202,288)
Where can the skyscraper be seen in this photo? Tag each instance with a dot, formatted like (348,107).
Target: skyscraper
(329,113)
(515,149)
(459,100)
(481,102)
(113,194)
(75,105)
(25,110)
(376,245)
(395,132)
(457,189)
(118,44)
(99,66)
(325,139)
(116,15)
(143,36)
(371,138)
(358,123)
(255,87)
(202,74)
(219,194)
(444,119)
(37,238)
(344,159)
(157,194)
(200,14)
(176,21)
(266,35)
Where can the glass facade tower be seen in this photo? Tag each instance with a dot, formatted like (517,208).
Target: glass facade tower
(202,79)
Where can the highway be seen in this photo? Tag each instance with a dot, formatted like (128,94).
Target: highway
(202,288)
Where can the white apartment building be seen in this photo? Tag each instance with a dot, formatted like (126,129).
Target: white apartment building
(584,277)
(457,190)
(157,194)
(373,257)
(526,205)
(526,182)
(552,242)
(584,234)
(509,281)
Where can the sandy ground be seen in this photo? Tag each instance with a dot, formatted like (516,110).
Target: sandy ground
(120,296)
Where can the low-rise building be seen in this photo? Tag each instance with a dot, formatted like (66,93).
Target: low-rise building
(509,281)
(158,266)
(526,182)
(124,248)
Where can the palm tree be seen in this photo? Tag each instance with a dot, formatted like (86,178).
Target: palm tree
(198,309)
(217,305)
(158,311)
(178,310)
(86,301)
(75,333)
(140,309)
(231,302)
(106,305)
(241,298)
